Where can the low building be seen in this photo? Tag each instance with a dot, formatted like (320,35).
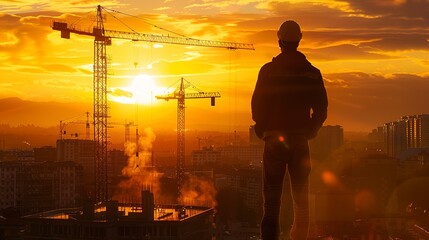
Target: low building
(206,157)
(34,187)
(242,155)
(123,221)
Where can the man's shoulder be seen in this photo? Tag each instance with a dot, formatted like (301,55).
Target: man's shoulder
(266,67)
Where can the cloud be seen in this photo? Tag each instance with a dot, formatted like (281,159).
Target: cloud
(29,37)
(58,68)
(411,9)
(35,70)
(364,101)
(325,26)
(117,92)
(344,52)
(24,6)
(401,42)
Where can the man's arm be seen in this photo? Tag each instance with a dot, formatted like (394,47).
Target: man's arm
(258,104)
(319,107)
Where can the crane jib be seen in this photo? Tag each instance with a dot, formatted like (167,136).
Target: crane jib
(106,35)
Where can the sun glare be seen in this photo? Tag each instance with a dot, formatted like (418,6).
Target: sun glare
(142,90)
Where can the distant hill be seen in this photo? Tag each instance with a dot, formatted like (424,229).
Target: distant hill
(15,111)
(37,123)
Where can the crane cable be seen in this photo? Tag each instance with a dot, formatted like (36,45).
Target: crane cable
(232,101)
(126,25)
(147,22)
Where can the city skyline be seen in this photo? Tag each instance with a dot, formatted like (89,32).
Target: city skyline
(372,55)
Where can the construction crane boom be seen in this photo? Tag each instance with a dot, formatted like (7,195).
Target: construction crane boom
(103,38)
(175,95)
(136,36)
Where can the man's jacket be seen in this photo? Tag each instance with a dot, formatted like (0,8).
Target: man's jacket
(289,97)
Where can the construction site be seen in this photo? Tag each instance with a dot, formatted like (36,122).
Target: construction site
(117,193)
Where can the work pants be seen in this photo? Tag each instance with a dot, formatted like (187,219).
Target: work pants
(281,153)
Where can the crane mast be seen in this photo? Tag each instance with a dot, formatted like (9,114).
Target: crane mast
(181,95)
(100,110)
(102,38)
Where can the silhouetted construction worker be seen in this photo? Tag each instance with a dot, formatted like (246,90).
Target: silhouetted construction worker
(289,106)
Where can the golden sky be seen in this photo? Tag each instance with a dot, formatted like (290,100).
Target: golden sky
(373,54)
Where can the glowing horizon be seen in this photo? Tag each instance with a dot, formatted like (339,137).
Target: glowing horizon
(371,59)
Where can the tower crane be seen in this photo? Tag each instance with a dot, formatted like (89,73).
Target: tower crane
(181,95)
(127,125)
(102,38)
(65,122)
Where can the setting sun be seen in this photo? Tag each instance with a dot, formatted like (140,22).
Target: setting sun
(142,90)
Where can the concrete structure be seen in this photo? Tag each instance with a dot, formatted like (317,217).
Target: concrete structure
(123,221)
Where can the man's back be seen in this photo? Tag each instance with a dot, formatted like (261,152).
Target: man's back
(287,88)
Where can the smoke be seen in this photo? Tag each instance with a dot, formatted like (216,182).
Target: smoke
(139,173)
(198,192)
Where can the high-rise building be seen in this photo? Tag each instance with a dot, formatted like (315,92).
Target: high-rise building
(376,141)
(417,131)
(81,152)
(395,137)
(408,132)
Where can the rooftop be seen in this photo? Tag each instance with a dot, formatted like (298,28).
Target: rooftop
(126,212)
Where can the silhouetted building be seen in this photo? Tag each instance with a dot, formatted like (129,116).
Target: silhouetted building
(116,161)
(123,222)
(413,161)
(243,155)
(247,182)
(17,155)
(207,156)
(395,139)
(45,154)
(328,139)
(417,131)
(376,141)
(81,152)
(34,187)
(409,132)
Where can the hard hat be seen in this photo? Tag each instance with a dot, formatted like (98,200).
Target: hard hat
(289,31)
